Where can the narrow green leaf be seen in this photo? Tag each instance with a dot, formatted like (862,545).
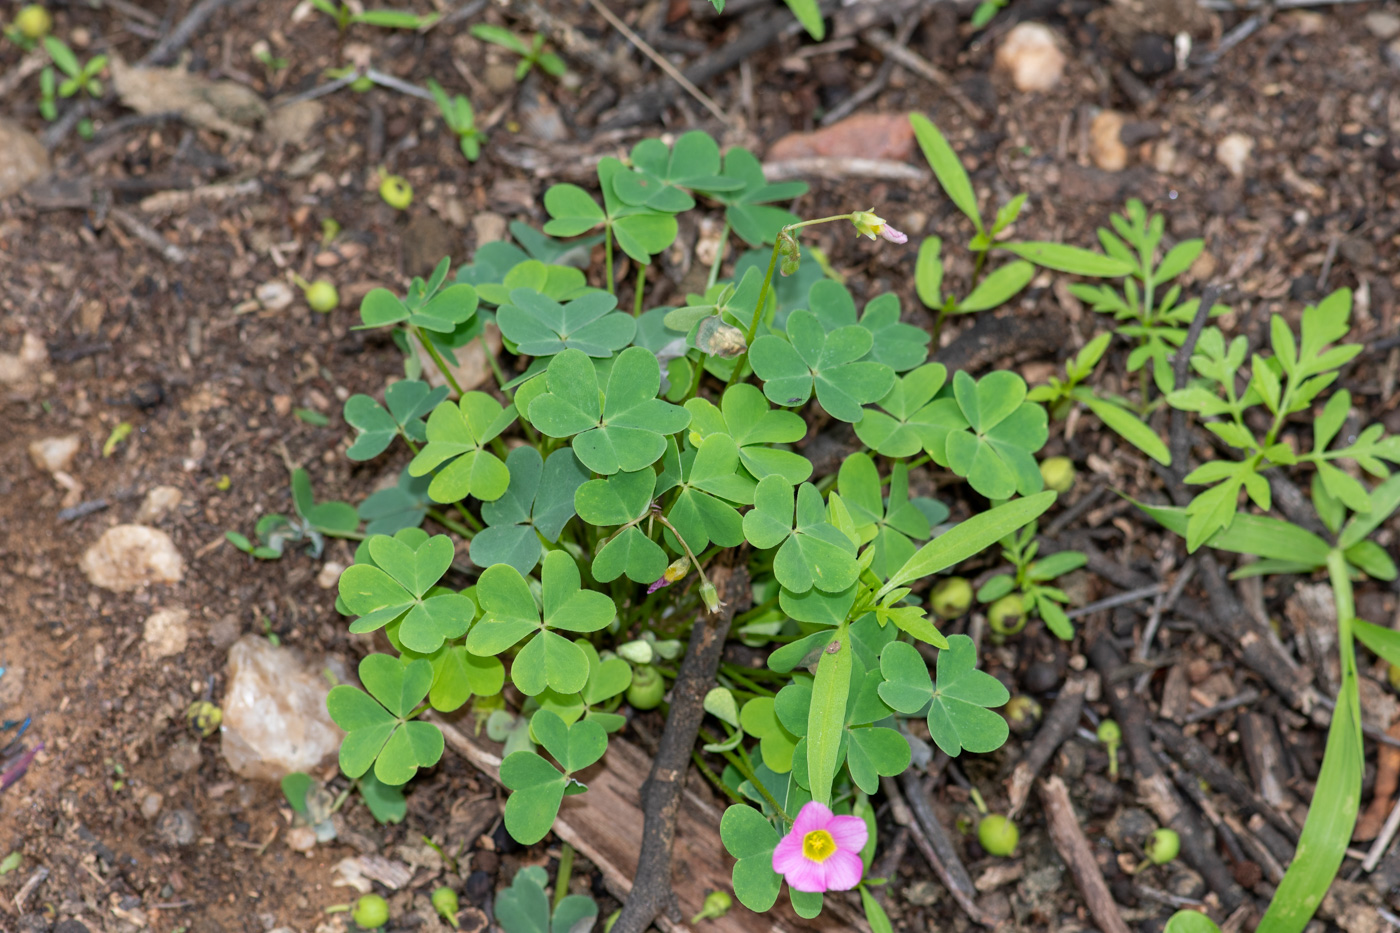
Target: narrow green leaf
(944,162)
(827,716)
(1070,259)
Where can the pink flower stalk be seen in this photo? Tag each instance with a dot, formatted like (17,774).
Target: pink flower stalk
(822,851)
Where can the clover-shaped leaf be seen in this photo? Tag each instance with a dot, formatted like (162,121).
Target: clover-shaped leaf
(443,313)
(377,725)
(402,506)
(826,361)
(747,209)
(622,499)
(751,839)
(899,346)
(640,231)
(868,751)
(606,679)
(509,614)
(457,434)
(911,420)
(776,743)
(540,326)
(408,400)
(626,429)
(960,716)
(744,415)
(1003,431)
(538,787)
(710,479)
(537,504)
(556,282)
(394,589)
(811,551)
(458,675)
(889,526)
(659,174)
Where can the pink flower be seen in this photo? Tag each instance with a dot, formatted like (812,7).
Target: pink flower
(822,851)
(893,235)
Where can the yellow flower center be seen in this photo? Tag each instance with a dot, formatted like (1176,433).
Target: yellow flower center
(818,845)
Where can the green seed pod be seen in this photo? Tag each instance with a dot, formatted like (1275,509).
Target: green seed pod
(33,21)
(371,912)
(445,902)
(1007,616)
(1022,713)
(322,296)
(951,597)
(1058,473)
(647,689)
(1163,846)
(998,835)
(396,192)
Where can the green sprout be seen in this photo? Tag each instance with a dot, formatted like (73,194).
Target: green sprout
(457,113)
(531,53)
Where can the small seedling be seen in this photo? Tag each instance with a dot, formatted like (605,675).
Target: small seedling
(263,53)
(1058,473)
(1111,736)
(950,597)
(10,863)
(531,53)
(344,17)
(1162,846)
(395,190)
(457,113)
(1031,583)
(717,904)
(647,688)
(81,76)
(998,835)
(808,13)
(446,903)
(985,12)
(120,432)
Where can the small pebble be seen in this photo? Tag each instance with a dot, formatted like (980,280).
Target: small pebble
(1032,55)
(52,454)
(1233,152)
(150,805)
(274,295)
(1106,142)
(329,575)
(177,828)
(301,838)
(1382,25)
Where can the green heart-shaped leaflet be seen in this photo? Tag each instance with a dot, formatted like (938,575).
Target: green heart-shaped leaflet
(394,590)
(457,434)
(710,480)
(509,614)
(377,725)
(626,430)
(751,839)
(408,401)
(537,504)
(910,420)
(960,715)
(622,499)
(541,326)
(659,174)
(538,787)
(748,209)
(745,416)
(995,454)
(444,312)
(830,363)
(899,346)
(811,551)
(889,527)
(776,743)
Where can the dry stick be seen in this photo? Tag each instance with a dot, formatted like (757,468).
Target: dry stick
(882,77)
(661,794)
(925,69)
(1075,850)
(838,167)
(1058,726)
(961,888)
(180,36)
(1153,786)
(705,100)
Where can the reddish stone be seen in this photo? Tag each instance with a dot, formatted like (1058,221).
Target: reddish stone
(865,135)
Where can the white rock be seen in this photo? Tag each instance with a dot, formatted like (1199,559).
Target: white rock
(128,557)
(329,575)
(159,502)
(275,719)
(1233,152)
(20,368)
(54,454)
(488,227)
(274,295)
(167,633)
(150,805)
(1382,25)
(1106,141)
(301,838)
(1032,55)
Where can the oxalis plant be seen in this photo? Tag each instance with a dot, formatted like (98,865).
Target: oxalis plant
(626,453)
(1252,405)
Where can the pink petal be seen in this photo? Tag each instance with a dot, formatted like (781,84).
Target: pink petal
(810,877)
(893,235)
(788,855)
(849,832)
(812,817)
(843,870)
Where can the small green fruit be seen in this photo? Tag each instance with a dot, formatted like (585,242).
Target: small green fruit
(1058,473)
(445,902)
(648,687)
(371,912)
(396,192)
(717,904)
(33,21)
(998,835)
(951,597)
(322,296)
(1007,615)
(1163,846)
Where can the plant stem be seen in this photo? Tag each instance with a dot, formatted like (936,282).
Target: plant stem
(451,524)
(641,289)
(607,256)
(699,370)
(719,257)
(566,868)
(714,779)
(747,771)
(437,358)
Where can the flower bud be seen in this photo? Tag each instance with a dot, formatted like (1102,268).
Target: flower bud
(1022,713)
(716,905)
(711,596)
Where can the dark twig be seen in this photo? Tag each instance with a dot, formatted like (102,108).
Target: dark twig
(1057,727)
(1079,856)
(1153,785)
(881,79)
(652,892)
(181,35)
(953,876)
